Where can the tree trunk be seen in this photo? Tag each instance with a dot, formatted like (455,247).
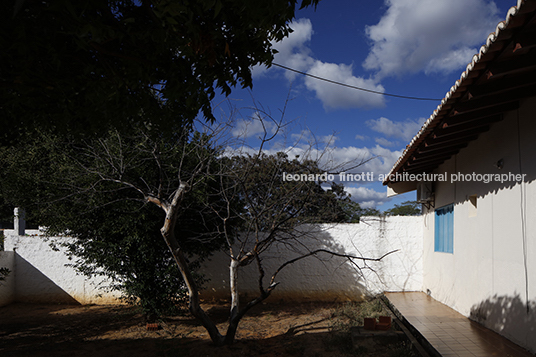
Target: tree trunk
(168,232)
(233,276)
(235,303)
(235,319)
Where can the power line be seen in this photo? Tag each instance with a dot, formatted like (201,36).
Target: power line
(350,86)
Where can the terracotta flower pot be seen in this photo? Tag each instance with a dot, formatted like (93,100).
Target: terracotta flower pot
(152,327)
(384,324)
(370,323)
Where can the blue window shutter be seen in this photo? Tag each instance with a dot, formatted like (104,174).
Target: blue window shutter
(450,230)
(444,229)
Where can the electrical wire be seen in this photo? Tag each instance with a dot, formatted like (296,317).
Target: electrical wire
(350,86)
(523,217)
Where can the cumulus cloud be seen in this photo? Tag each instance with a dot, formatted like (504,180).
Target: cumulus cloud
(350,159)
(404,130)
(367,197)
(360,137)
(252,127)
(385,142)
(292,51)
(377,160)
(307,137)
(336,96)
(295,53)
(430,36)
(452,61)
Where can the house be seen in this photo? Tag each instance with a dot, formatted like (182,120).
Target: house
(473,164)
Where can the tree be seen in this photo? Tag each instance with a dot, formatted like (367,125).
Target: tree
(276,212)
(407,208)
(353,210)
(115,232)
(260,182)
(250,208)
(87,65)
(122,241)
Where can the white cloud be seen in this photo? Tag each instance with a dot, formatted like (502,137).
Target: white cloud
(360,137)
(452,61)
(383,160)
(252,127)
(336,96)
(420,35)
(385,142)
(307,137)
(404,130)
(292,50)
(294,53)
(350,159)
(377,160)
(367,197)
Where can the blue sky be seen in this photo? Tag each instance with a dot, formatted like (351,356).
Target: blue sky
(414,48)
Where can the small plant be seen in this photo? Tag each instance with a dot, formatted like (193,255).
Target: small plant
(351,314)
(4,273)
(341,342)
(295,350)
(345,318)
(403,349)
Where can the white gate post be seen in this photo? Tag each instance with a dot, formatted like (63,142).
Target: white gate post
(19,223)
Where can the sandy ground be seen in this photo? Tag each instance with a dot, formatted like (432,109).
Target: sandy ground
(67,330)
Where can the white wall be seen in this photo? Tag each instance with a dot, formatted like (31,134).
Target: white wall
(491,276)
(40,273)
(332,278)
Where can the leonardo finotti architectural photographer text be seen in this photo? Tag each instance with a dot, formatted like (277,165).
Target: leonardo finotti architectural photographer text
(442,177)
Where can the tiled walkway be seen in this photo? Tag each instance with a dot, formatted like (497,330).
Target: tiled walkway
(451,333)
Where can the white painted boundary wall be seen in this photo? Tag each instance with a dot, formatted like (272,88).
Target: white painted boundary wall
(330,278)
(40,274)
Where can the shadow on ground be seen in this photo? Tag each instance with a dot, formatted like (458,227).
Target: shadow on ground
(270,330)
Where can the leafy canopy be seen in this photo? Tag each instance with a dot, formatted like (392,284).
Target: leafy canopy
(271,201)
(407,208)
(67,186)
(81,66)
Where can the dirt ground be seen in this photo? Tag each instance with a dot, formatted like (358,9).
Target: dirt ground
(268,330)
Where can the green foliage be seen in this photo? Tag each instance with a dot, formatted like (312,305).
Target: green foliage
(6,211)
(370,212)
(271,201)
(355,212)
(4,272)
(342,343)
(351,314)
(74,187)
(83,66)
(403,349)
(123,242)
(344,319)
(408,208)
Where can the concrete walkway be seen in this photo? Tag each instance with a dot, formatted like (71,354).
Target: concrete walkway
(449,332)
